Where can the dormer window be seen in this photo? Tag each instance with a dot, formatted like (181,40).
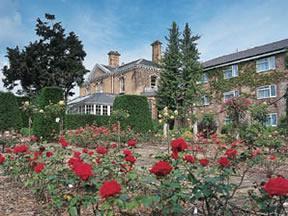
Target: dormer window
(122,84)
(265,64)
(153,81)
(231,71)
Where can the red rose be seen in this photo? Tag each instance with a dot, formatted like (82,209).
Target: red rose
(90,153)
(161,168)
(109,189)
(130,158)
(204,162)
(73,161)
(2,159)
(85,150)
(49,154)
(276,186)
(175,155)
(113,145)
(77,154)
(39,167)
(36,155)
(132,142)
(127,152)
(224,162)
(272,157)
(178,144)
(83,170)
(20,149)
(101,150)
(63,142)
(231,153)
(189,158)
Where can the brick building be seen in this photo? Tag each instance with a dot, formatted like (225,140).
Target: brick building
(104,82)
(259,73)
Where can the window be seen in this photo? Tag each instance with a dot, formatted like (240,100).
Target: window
(98,109)
(231,71)
(153,82)
(230,94)
(122,84)
(105,110)
(204,79)
(271,120)
(82,109)
(205,100)
(89,109)
(265,64)
(99,87)
(266,91)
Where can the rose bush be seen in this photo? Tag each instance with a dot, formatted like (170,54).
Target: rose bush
(107,179)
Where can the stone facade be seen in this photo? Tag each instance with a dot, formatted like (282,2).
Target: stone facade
(139,77)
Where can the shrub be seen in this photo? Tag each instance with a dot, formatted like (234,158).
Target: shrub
(44,122)
(139,114)
(283,126)
(73,121)
(24,115)
(10,117)
(207,125)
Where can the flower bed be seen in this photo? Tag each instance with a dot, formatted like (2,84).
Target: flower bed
(108,179)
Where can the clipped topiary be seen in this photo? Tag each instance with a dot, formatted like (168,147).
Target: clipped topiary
(138,109)
(24,115)
(45,122)
(73,121)
(10,117)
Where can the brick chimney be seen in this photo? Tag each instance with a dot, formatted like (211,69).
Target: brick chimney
(156,51)
(113,58)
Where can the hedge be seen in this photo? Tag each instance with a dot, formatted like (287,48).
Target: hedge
(73,121)
(10,117)
(24,116)
(139,114)
(45,126)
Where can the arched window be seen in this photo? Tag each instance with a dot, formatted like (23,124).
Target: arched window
(122,84)
(153,81)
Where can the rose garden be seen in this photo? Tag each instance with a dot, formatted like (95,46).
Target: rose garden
(179,163)
(102,168)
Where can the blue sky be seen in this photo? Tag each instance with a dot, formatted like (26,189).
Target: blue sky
(130,26)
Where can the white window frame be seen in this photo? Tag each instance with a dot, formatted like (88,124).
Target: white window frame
(205,100)
(269,115)
(122,84)
(234,92)
(270,61)
(98,109)
(233,69)
(204,79)
(266,87)
(104,110)
(155,85)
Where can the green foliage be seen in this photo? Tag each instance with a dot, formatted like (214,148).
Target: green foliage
(10,117)
(44,122)
(138,109)
(283,126)
(259,112)
(24,115)
(55,59)
(73,121)
(180,72)
(207,125)
(247,77)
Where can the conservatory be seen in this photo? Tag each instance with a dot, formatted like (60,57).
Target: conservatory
(96,104)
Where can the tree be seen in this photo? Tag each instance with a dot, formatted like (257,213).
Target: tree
(191,70)
(181,71)
(168,90)
(56,59)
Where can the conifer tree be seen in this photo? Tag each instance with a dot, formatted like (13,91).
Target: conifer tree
(191,69)
(168,90)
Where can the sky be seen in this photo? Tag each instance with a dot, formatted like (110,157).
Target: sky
(130,26)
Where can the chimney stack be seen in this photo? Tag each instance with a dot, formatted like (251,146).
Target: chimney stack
(156,51)
(113,58)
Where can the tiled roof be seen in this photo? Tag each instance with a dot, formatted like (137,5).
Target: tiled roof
(259,50)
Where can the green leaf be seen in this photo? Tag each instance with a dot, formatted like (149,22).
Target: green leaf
(73,211)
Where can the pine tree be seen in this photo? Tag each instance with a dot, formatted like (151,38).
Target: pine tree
(191,69)
(56,59)
(168,90)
